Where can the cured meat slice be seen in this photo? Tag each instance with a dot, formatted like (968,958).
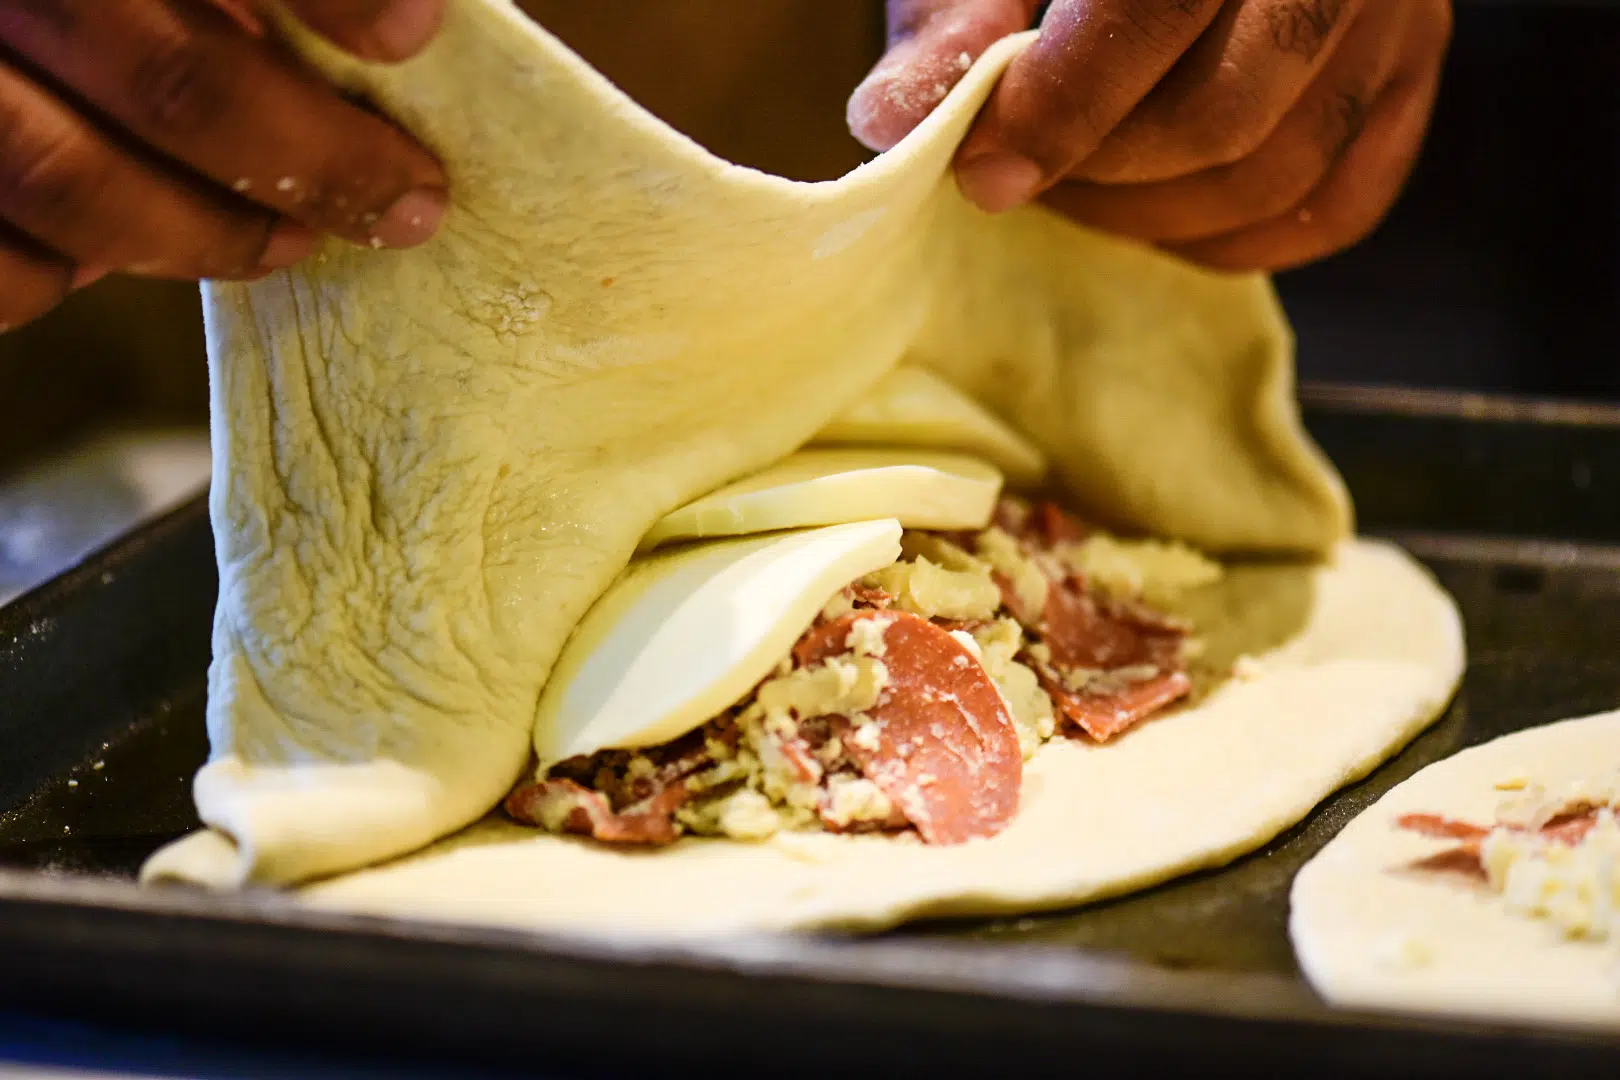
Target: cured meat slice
(1058,526)
(940,742)
(1084,631)
(1438,827)
(1568,829)
(588,812)
(1107,714)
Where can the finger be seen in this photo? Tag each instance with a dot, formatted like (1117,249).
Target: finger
(244,14)
(1231,90)
(32,280)
(1351,202)
(75,191)
(932,43)
(183,78)
(1281,172)
(384,30)
(1093,61)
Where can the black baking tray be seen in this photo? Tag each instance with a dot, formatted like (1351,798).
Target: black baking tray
(1515,505)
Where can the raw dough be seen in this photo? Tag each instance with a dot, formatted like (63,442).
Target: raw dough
(911,406)
(1357,657)
(428,463)
(1371,936)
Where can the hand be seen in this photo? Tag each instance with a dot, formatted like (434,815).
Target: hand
(173,138)
(1240,134)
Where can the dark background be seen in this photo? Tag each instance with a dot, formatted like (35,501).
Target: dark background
(1499,270)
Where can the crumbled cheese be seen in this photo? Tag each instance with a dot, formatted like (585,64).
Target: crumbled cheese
(967,641)
(840,605)
(1152,570)
(743,814)
(852,799)
(1003,554)
(1402,952)
(1536,805)
(1076,679)
(1574,887)
(932,591)
(866,636)
(864,737)
(1031,709)
(939,551)
(837,687)
(1247,669)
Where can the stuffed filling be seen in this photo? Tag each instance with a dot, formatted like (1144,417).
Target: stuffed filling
(913,701)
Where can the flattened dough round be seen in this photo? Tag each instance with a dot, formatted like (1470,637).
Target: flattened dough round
(1354,914)
(1359,654)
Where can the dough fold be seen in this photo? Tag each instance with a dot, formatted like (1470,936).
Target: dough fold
(428,464)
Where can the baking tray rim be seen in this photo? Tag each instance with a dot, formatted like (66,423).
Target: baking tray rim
(1045,975)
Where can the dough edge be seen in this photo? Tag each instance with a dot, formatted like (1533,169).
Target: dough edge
(1346,911)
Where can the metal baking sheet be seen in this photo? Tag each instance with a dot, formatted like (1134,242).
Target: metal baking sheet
(1516,506)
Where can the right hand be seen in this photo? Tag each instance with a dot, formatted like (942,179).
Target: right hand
(174,139)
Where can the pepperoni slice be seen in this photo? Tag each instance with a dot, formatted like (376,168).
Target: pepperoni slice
(1084,632)
(591,815)
(1045,524)
(1437,827)
(1103,716)
(943,747)
(1058,526)
(1567,829)
(870,595)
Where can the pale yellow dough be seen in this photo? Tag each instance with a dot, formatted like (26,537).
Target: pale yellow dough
(428,464)
(1370,650)
(1371,935)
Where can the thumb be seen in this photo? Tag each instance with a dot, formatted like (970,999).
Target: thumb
(384,30)
(932,43)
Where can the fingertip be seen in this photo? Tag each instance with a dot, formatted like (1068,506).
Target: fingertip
(999,181)
(876,114)
(396,30)
(406,26)
(412,220)
(289,243)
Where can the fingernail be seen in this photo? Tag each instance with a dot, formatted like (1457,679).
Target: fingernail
(412,220)
(87,275)
(998,182)
(405,27)
(289,243)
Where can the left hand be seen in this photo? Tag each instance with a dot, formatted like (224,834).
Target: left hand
(1239,134)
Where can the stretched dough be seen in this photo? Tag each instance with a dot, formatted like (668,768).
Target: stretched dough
(429,463)
(913,407)
(1370,936)
(1362,653)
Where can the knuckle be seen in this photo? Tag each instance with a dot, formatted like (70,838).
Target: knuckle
(179,86)
(1237,118)
(1303,27)
(1344,117)
(1160,25)
(1273,192)
(48,178)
